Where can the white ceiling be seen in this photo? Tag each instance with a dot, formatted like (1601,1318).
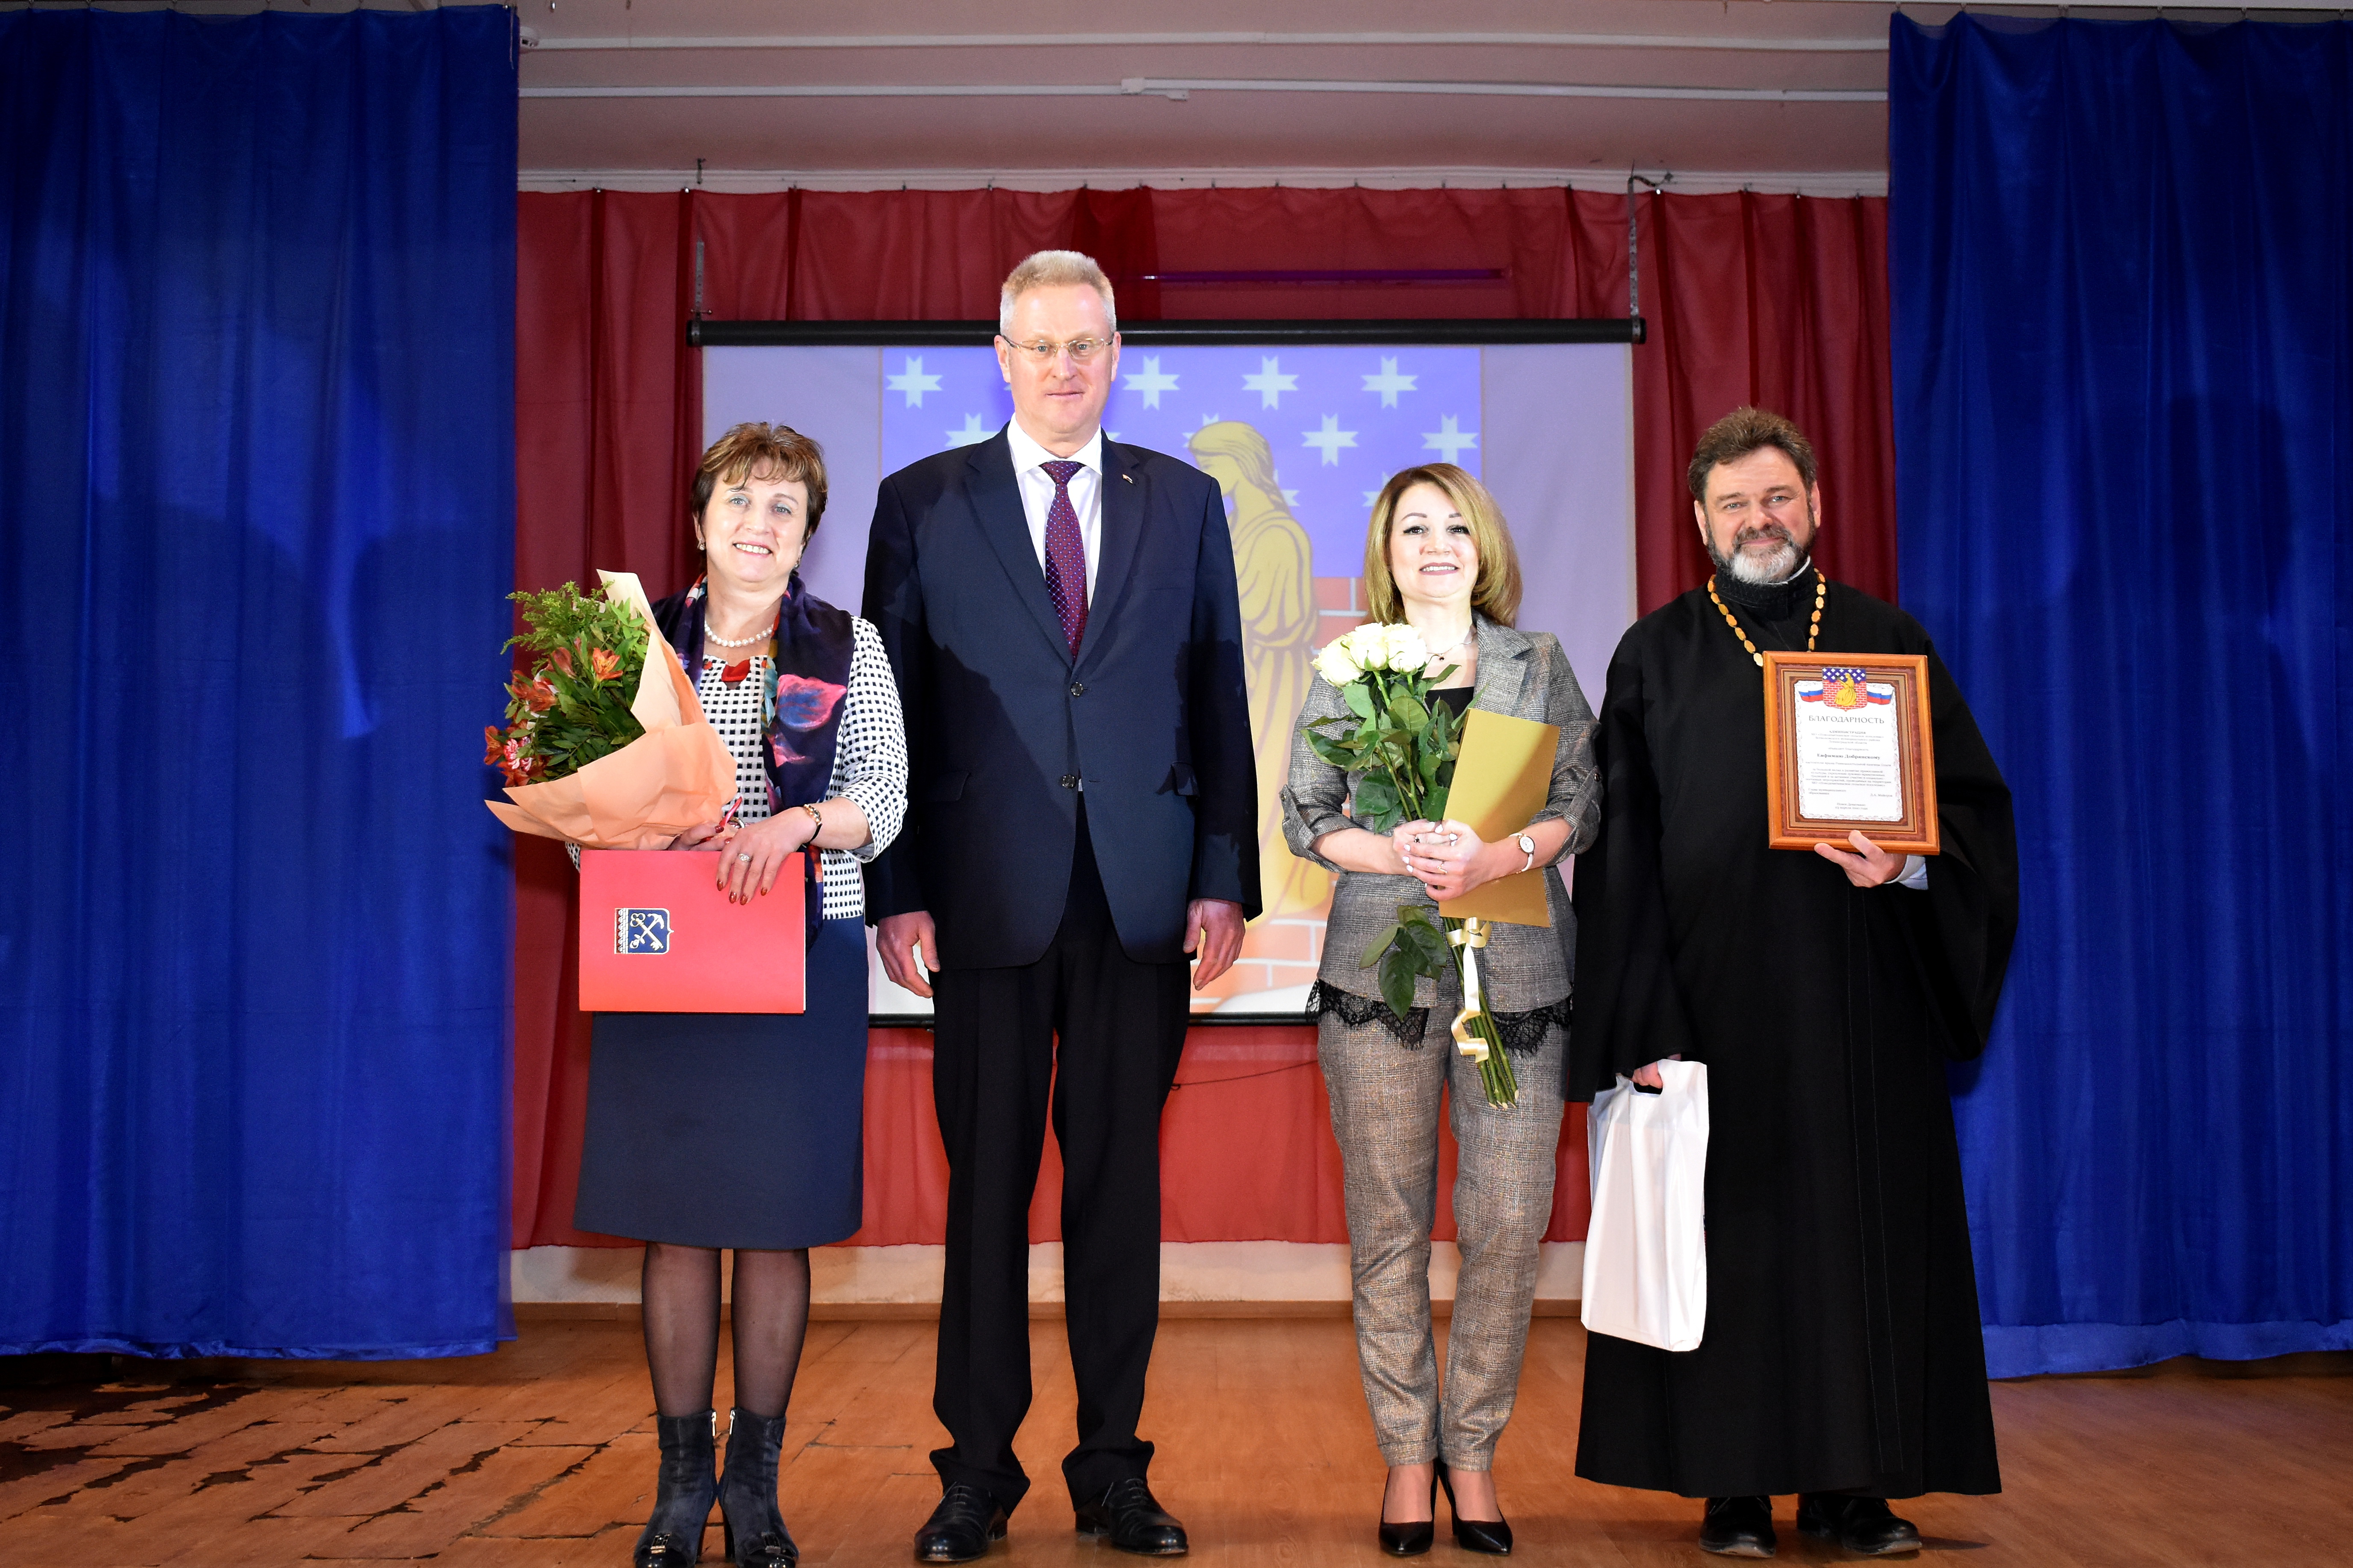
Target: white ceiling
(849,94)
(1777,94)
(1786,94)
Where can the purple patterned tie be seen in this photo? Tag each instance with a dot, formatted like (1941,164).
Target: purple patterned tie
(1066,555)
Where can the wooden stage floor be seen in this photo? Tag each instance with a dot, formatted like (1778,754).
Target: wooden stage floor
(543,1455)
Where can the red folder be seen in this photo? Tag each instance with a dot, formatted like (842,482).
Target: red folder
(657,936)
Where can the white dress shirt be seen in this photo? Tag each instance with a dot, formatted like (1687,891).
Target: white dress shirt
(1037,493)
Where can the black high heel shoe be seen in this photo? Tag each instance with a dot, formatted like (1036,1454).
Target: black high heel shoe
(1410,1539)
(1489,1535)
(683,1495)
(756,1536)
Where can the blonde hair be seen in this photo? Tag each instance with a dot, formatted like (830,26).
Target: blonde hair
(1052,269)
(1495,594)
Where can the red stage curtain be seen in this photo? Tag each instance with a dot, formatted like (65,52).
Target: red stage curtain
(1552,253)
(606,398)
(1774,299)
(1780,301)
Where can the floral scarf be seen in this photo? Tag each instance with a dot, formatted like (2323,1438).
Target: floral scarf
(800,696)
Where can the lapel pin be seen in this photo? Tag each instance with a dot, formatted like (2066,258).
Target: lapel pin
(1129,478)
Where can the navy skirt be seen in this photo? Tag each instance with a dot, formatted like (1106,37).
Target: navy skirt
(732,1129)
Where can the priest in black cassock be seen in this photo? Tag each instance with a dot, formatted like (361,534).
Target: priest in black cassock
(1825,989)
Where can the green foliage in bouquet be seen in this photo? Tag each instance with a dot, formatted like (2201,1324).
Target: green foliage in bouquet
(1402,742)
(574,705)
(1404,745)
(1401,745)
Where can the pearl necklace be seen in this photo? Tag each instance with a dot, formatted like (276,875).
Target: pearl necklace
(1821,592)
(709,636)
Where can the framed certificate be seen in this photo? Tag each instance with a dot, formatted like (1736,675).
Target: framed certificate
(1848,746)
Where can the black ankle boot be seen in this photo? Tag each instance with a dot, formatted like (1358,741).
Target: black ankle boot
(756,1536)
(673,1536)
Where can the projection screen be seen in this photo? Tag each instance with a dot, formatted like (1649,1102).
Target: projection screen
(1300,435)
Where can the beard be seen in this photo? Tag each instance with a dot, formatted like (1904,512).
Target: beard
(1763,568)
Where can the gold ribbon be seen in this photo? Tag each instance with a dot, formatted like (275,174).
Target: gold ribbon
(1470,938)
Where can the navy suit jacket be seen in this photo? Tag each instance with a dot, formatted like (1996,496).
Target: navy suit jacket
(1002,723)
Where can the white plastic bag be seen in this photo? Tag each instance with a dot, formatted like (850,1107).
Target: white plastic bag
(1646,1244)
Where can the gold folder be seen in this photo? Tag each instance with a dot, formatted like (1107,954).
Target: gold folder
(1502,777)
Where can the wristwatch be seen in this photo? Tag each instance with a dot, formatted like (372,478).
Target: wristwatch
(1527,847)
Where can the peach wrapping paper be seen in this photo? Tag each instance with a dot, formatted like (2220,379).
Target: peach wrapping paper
(676,774)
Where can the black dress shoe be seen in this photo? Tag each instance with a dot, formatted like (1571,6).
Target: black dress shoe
(1738,1527)
(1132,1517)
(1492,1536)
(754,1528)
(686,1487)
(1412,1538)
(1863,1525)
(962,1528)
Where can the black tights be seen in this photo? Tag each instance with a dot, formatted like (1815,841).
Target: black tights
(770,1310)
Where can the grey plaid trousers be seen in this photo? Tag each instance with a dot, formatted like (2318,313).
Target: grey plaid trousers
(1384,1108)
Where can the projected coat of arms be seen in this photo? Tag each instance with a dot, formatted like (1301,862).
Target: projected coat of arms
(1300,440)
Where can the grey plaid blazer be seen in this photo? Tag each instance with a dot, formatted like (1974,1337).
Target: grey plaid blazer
(1526,676)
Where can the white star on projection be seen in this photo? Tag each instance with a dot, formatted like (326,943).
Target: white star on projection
(1388,383)
(1372,496)
(1449,439)
(1151,380)
(1209,419)
(1330,439)
(972,435)
(1271,383)
(912,382)
(1291,497)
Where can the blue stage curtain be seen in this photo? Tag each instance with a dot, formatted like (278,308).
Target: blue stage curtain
(2122,259)
(257,512)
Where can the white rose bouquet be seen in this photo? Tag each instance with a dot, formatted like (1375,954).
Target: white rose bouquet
(1404,745)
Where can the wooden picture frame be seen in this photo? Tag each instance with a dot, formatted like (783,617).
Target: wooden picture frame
(1848,738)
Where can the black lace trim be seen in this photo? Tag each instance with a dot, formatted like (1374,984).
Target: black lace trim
(1523,1034)
(1358,1011)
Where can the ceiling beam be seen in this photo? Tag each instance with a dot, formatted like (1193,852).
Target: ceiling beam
(1696,182)
(1119,40)
(1177,89)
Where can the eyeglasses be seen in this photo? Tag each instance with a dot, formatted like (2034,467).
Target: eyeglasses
(1043,352)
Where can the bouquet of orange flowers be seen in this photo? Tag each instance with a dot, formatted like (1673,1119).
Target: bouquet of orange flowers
(575,707)
(606,745)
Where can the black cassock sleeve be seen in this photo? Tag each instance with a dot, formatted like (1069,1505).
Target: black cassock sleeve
(1630,1010)
(1960,931)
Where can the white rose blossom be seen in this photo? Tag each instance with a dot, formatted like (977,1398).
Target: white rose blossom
(1337,662)
(1407,652)
(1367,647)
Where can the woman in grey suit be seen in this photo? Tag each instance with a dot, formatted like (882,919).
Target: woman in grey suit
(1438,556)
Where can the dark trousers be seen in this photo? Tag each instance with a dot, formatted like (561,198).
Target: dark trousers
(997,1078)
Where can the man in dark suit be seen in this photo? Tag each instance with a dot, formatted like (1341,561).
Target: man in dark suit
(1061,614)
